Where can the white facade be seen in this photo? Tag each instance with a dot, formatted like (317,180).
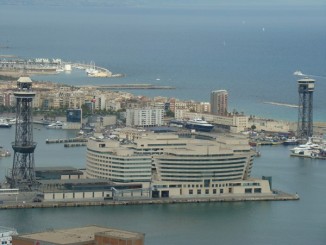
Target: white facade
(145,117)
(183,167)
(109,160)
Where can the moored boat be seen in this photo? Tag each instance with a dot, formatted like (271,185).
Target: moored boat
(291,141)
(310,150)
(4,124)
(55,125)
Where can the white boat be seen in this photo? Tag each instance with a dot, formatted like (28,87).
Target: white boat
(4,123)
(308,146)
(309,149)
(56,125)
(91,71)
(59,69)
(6,235)
(4,153)
(291,141)
(298,73)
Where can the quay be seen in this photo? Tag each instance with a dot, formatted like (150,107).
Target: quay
(70,140)
(276,196)
(308,156)
(74,144)
(130,86)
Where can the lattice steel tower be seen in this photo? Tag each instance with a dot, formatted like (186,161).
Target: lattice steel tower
(23,172)
(305,120)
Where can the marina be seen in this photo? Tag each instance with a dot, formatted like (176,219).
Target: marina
(15,67)
(310,149)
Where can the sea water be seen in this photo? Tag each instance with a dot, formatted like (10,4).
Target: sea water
(252,50)
(263,222)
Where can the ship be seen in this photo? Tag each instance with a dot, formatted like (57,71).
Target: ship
(199,125)
(6,235)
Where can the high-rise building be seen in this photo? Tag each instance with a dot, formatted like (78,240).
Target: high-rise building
(219,102)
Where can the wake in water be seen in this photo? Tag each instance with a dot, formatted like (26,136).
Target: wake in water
(300,74)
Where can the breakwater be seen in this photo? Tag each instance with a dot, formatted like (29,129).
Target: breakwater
(130,86)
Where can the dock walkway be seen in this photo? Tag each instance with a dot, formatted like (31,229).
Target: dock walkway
(276,196)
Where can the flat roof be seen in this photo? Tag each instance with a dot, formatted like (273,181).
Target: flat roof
(59,168)
(74,181)
(78,235)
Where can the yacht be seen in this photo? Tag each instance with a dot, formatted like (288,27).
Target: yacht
(309,149)
(55,125)
(4,123)
(291,141)
(199,124)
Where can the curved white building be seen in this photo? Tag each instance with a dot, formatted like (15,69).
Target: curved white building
(107,160)
(177,167)
(202,162)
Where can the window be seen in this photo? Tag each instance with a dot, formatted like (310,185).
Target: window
(214,191)
(191,192)
(198,192)
(257,190)
(248,190)
(221,191)
(206,191)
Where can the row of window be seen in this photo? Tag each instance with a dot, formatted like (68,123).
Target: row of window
(202,168)
(200,174)
(195,159)
(198,163)
(221,191)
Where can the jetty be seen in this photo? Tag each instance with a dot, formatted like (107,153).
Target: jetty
(70,140)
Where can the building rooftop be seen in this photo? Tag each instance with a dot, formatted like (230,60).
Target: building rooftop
(24,79)
(78,235)
(58,168)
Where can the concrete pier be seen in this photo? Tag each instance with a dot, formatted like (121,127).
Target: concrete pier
(276,196)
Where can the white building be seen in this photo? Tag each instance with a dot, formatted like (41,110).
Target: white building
(109,160)
(183,167)
(146,117)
